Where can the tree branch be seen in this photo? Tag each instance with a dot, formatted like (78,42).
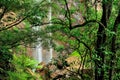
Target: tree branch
(69,14)
(87,22)
(13,24)
(3,12)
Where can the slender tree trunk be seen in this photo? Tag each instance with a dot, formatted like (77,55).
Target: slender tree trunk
(113,46)
(101,39)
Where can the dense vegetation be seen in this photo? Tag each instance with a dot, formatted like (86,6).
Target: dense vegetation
(88,29)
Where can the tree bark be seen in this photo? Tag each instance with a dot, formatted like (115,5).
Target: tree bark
(113,46)
(101,39)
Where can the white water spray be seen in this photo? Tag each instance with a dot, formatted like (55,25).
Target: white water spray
(39,53)
(48,53)
(50,17)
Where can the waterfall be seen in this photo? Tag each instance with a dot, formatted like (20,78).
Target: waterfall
(50,17)
(48,53)
(40,54)
(37,51)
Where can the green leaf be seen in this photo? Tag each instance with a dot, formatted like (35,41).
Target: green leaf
(75,53)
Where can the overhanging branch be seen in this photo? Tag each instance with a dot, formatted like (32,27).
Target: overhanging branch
(87,22)
(13,24)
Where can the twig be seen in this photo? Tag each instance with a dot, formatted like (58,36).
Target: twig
(69,14)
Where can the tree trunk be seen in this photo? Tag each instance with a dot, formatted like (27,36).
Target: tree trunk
(101,39)
(113,46)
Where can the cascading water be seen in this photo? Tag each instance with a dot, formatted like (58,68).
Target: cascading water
(37,51)
(50,17)
(40,54)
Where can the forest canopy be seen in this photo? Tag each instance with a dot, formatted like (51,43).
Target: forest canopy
(88,29)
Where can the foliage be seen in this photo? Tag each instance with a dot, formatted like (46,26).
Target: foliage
(17,17)
(24,67)
(90,28)
(5,64)
(87,29)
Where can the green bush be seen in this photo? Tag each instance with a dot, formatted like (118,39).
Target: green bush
(24,67)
